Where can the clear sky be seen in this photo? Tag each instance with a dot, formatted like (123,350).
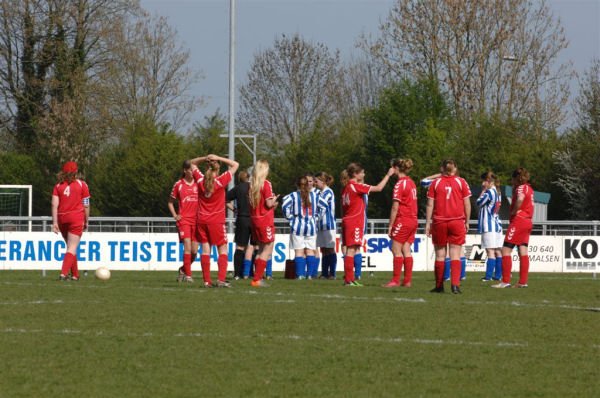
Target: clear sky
(203,27)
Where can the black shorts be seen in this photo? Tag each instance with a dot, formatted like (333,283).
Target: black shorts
(242,231)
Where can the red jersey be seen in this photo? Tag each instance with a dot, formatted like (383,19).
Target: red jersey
(71,197)
(211,206)
(187,200)
(526,209)
(448,193)
(405,193)
(353,200)
(261,216)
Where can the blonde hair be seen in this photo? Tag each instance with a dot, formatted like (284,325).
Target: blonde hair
(257,179)
(403,165)
(212,171)
(350,171)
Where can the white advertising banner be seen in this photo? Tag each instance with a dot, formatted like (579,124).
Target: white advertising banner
(581,254)
(140,251)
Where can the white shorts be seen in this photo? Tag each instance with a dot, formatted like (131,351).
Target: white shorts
(326,238)
(492,240)
(298,242)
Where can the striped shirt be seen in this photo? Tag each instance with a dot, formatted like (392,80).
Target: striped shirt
(326,210)
(302,219)
(489,206)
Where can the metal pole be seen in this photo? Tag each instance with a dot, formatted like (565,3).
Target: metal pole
(254,151)
(231,83)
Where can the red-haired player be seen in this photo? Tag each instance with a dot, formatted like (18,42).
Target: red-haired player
(403,222)
(519,229)
(70,215)
(353,213)
(449,204)
(211,227)
(185,193)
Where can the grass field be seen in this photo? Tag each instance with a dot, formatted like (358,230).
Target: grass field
(141,334)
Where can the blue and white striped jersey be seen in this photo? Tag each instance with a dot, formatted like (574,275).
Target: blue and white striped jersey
(303,220)
(489,206)
(326,210)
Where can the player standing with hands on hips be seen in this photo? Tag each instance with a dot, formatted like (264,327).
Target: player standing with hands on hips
(70,215)
(262,210)
(353,213)
(519,229)
(449,207)
(403,222)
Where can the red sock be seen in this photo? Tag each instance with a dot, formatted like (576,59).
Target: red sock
(506,268)
(74,268)
(455,272)
(66,264)
(348,269)
(259,268)
(398,261)
(222,262)
(439,273)
(187,264)
(408,266)
(205,263)
(524,269)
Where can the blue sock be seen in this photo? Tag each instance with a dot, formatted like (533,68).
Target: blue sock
(332,264)
(498,270)
(357,265)
(247,265)
(325,266)
(463,267)
(446,268)
(315,273)
(269,267)
(310,265)
(300,263)
(490,264)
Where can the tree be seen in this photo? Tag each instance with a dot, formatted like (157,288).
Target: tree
(490,56)
(290,88)
(579,175)
(413,119)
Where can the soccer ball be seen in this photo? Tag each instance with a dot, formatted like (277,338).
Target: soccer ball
(103,273)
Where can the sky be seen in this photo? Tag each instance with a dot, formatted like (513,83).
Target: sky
(203,28)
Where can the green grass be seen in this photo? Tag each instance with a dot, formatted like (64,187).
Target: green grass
(141,334)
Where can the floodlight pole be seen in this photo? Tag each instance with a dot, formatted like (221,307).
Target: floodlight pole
(231,83)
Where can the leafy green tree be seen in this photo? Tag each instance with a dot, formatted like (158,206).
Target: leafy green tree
(20,169)
(413,120)
(135,178)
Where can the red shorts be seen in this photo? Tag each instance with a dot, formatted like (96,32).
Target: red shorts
(213,234)
(404,230)
(71,223)
(262,234)
(452,231)
(518,231)
(187,231)
(353,232)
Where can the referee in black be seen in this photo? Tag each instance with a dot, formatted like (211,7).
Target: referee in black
(244,247)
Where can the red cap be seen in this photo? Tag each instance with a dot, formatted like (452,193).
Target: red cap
(70,167)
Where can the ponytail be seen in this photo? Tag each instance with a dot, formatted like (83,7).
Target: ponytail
(403,165)
(302,185)
(209,177)
(350,172)
(326,178)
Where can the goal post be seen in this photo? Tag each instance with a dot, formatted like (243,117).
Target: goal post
(12,198)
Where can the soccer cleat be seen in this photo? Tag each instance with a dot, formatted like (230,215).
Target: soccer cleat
(437,290)
(463,278)
(63,277)
(357,283)
(259,283)
(391,284)
(187,279)
(501,285)
(446,279)
(309,277)
(75,278)
(181,275)
(455,289)
(521,285)
(407,284)
(208,285)
(269,277)
(331,277)
(351,284)
(484,279)
(237,278)
(300,278)
(223,284)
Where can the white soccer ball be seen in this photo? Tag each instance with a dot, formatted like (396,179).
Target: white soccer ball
(103,273)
